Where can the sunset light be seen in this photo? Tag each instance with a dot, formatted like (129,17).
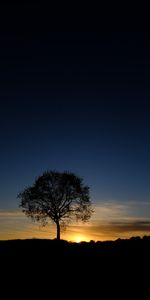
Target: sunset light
(75,152)
(75,113)
(80,238)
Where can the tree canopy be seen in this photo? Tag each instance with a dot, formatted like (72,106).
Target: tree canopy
(59,196)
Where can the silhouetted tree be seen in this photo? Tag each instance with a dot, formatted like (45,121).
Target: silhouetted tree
(58,196)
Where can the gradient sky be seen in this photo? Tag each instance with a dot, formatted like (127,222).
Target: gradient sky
(77,101)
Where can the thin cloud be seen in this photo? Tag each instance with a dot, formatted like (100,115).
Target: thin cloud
(108,211)
(11,214)
(114,211)
(111,220)
(142,226)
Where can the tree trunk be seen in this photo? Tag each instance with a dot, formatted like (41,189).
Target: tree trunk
(58,230)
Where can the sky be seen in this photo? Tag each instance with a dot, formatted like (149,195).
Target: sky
(76,101)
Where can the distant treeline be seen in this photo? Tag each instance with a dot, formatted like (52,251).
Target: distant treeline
(120,248)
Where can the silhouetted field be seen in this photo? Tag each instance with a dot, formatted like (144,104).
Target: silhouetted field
(39,250)
(92,265)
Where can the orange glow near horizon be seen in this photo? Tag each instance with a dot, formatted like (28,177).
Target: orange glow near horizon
(80,238)
(110,221)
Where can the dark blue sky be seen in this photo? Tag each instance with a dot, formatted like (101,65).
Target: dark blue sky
(75,101)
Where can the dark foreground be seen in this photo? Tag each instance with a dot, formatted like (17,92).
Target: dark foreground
(49,266)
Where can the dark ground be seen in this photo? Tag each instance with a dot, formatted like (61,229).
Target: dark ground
(69,270)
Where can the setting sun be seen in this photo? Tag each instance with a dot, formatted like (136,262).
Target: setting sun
(80,238)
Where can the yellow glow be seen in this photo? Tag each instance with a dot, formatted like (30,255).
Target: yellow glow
(109,222)
(79,238)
